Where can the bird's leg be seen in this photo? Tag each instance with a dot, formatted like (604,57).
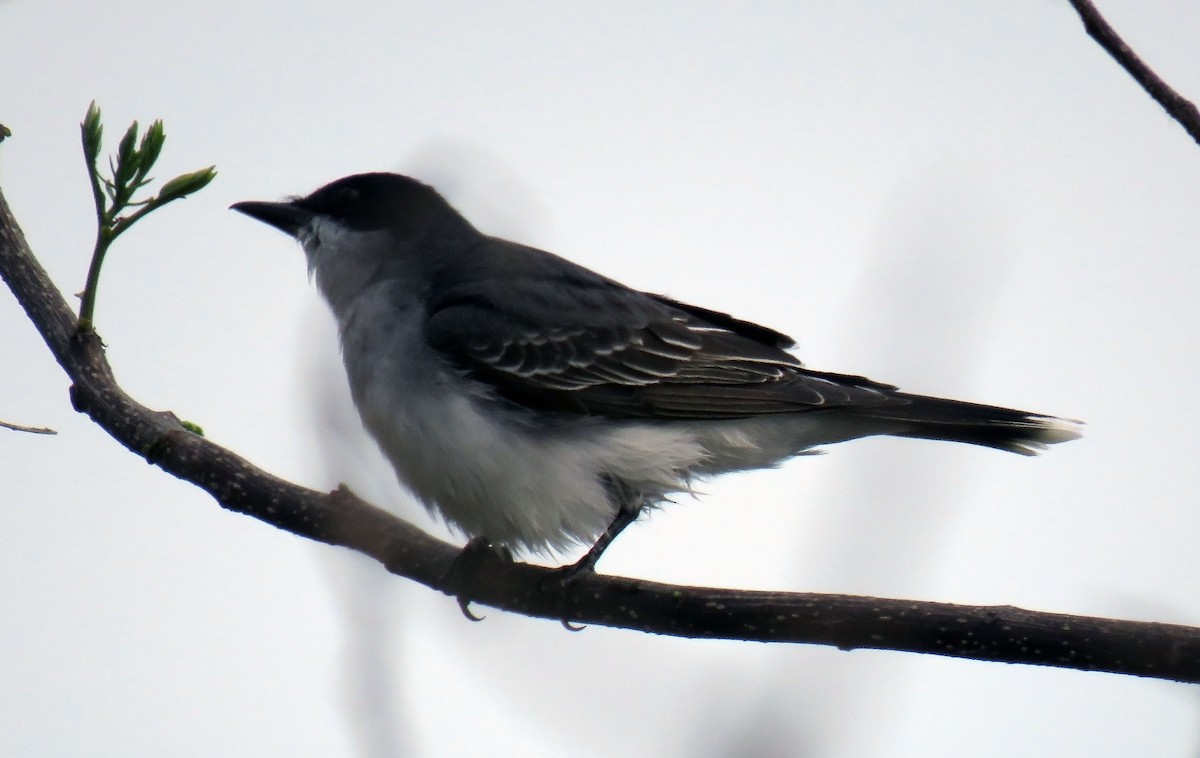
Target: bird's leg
(627,513)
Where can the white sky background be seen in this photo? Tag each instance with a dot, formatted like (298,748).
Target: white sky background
(968,199)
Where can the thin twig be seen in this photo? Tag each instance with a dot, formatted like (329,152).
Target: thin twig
(30,429)
(1180,108)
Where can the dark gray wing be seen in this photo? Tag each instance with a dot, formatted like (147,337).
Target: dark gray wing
(550,335)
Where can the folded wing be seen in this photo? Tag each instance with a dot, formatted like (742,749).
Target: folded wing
(569,340)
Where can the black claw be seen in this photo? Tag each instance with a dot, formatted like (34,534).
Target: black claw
(557,581)
(464,605)
(478,552)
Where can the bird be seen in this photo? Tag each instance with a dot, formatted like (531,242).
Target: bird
(539,406)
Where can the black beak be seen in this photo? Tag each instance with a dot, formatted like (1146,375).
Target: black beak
(286,217)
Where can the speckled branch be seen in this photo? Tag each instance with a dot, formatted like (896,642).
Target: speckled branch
(1180,108)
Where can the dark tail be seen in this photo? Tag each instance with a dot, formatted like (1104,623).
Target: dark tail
(934,418)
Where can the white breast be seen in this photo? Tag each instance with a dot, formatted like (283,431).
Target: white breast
(487,467)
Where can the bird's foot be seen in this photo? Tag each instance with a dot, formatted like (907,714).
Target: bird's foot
(476,555)
(565,576)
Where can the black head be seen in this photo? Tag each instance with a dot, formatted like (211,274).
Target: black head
(366,202)
(363,202)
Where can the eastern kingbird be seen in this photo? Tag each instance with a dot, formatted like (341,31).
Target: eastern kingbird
(537,404)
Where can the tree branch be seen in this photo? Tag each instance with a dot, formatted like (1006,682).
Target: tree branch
(993,633)
(29,429)
(1181,109)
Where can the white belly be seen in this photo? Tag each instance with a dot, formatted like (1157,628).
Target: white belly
(489,468)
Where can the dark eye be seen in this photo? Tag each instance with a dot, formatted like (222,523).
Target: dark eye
(333,201)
